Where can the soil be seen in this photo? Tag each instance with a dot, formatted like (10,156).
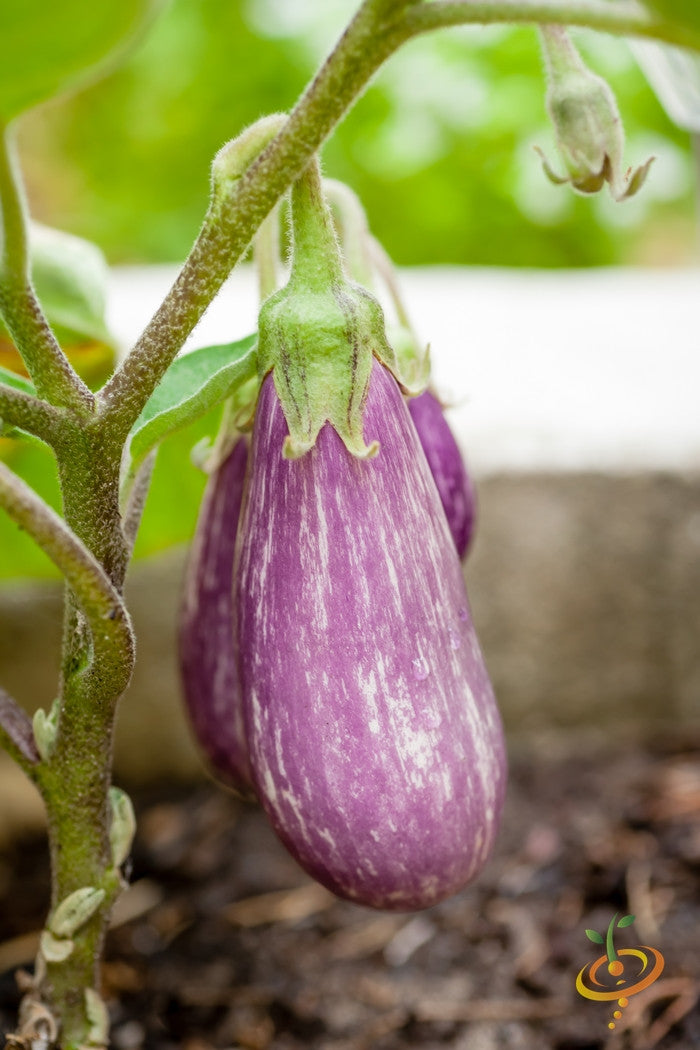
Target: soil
(223,943)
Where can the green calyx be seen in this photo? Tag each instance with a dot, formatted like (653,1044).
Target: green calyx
(586,121)
(320,333)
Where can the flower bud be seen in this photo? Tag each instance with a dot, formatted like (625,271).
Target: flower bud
(587,124)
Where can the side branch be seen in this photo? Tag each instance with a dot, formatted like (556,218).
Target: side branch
(29,413)
(52,373)
(16,733)
(622,17)
(100,602)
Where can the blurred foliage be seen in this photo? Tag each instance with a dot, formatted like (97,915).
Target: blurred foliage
(439,148)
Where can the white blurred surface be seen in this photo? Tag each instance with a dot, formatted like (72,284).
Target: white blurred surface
(560,370)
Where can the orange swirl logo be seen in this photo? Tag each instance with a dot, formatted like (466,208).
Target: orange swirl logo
(617,975)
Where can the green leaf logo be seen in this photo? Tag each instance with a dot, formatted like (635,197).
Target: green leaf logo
(594,936)
(626,920)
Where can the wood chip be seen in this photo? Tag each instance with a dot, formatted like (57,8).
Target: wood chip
(280,906)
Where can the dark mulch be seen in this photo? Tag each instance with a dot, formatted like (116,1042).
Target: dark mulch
(223,943)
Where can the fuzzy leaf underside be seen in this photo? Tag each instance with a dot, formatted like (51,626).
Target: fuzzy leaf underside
(194,383)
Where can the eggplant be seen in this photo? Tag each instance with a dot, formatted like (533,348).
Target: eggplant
(447,467)
(207,661)
(375,742)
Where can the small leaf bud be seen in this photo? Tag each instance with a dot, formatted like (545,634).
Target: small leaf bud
(45,728)
(122,827)
(98,1018)
(75,910)
(54,949)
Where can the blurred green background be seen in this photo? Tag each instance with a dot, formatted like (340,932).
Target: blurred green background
(439,149)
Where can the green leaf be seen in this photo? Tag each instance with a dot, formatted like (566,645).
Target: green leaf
(47,48)
(626,920)
(18,382)
(10,378)
(594,936)
(70,276)
(193,384)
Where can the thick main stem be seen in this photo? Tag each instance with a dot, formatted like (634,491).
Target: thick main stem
(77,785)
(75,776)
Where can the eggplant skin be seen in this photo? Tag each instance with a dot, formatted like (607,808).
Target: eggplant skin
(207,661)
(376,745)
(447,467)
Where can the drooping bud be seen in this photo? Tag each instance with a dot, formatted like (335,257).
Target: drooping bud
(320,333)
(587,123)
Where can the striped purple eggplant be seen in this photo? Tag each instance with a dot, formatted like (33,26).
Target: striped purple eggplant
(447,466)
(207,660)
(375,742)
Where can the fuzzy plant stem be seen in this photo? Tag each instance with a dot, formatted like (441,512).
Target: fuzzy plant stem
(20,409)
(266,250)
(73,773)
(622,17)
(53,376)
